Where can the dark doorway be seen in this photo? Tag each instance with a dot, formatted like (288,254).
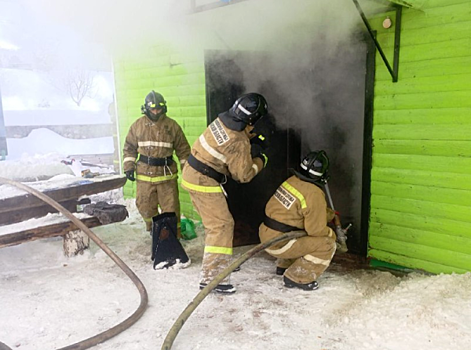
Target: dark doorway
(316,104)
(224,84)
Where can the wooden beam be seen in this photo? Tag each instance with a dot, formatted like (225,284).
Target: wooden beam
(53,230)
(12,217)
(81,188)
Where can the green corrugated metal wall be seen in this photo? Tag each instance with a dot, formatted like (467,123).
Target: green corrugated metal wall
(180,79)
(421,176)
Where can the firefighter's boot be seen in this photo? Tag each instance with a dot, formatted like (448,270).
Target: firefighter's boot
(307,286)
(167,251)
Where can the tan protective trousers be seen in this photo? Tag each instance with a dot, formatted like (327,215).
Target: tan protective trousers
(219,230)
(305,258)
(149,196)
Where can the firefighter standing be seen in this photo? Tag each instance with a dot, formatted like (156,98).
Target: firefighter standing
(154,137)
(299,204)
(224,149)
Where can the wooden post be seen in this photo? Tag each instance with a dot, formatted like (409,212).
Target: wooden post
(75,242)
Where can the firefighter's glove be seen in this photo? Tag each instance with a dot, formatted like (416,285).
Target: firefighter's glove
(341,239)
(256,151)
(259,140)
(130,175)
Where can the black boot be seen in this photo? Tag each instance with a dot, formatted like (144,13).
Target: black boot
(221,288)
(308,286)
(166,249)
(280,270)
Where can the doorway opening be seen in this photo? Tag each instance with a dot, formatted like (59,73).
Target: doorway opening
(319,105)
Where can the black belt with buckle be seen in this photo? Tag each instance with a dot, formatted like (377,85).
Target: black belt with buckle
(279,226)
(206,169)
(156,161)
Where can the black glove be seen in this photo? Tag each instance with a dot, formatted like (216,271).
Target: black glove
(259,140)
(130,175)
(256,151)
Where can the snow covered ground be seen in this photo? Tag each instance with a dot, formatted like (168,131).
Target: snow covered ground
(48,301)
(30,99)
(47,165)
(46,141)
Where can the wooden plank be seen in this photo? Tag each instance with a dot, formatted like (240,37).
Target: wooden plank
(453,165)
(426,193)
(428,52)
(433,34)
(424,116)
(450,99)
(422,178)
(452,13)
(11,217)
(8,218)
(422,208)
(424,147)
(53,230)
(424,85)
(422,237)
(417,251)
(80,188)
(424,222)
(413,263)
(442,4)
(444,132)
(432,68)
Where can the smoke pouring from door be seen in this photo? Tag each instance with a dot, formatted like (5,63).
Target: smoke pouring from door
(308,58)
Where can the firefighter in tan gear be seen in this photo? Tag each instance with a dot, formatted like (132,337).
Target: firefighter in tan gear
(299,204)
(223,150)
(148,152)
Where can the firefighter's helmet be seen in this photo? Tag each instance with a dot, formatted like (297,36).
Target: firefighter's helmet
(249,108)
(154,100)
(315,166)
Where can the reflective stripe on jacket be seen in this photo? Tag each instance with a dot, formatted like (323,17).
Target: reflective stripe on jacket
(300,204)
(158,140)
(226,151)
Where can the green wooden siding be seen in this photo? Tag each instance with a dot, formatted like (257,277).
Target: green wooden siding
(421,176)
(180,79)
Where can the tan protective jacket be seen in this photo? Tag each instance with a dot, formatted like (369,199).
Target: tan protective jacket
(158,140)
(300,204)
(226,151)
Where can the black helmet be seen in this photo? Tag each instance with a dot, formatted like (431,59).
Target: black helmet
(154,100)
(249,108)
(315,167)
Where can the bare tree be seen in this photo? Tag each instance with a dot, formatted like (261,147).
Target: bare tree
(79,84)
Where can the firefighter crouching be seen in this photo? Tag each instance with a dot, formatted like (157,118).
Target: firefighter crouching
(223,150)
(148,152)
(299,204)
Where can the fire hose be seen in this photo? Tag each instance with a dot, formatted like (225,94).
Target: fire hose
(339,231)
(128,322)
(172,334)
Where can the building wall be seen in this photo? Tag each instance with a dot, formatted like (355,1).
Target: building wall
(421,176)
(180,79)
(176,68)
